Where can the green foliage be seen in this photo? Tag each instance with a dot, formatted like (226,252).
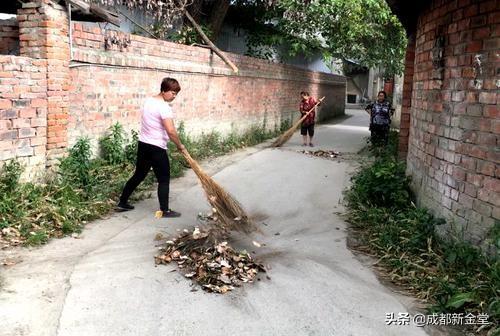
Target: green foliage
(75,168)
(451,274)
(112,145)
(188,35)
(9,182)
(131,148)
(9,176)
(382,184)
(364,30)
(85,188)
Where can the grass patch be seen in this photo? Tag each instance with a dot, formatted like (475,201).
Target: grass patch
(450,274)
(85,188)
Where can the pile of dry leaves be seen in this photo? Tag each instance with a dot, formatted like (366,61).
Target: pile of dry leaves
(327,154)
(202,256)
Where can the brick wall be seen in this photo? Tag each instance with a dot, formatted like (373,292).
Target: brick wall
(43,34)
(404,125)
(23,111)
(9,37)
(454,152)
(113,72)
(54,93)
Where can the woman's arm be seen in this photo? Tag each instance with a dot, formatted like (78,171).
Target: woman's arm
(169,126)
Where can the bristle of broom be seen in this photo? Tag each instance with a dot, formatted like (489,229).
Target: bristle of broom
(230,212)
(288,134)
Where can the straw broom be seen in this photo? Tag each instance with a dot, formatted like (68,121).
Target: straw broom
(229,211)
(288,134)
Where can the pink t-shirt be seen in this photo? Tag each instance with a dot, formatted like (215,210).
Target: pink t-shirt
(152,131)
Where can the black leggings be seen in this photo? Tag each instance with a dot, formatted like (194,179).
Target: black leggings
(379,134)
(150,156)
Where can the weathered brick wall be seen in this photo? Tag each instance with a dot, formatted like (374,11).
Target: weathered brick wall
(404,125)
(9,37)
(43,34)
(454,149)
(23,111)
(103,78)
(114,72)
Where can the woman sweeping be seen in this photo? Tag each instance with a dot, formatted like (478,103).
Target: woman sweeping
(157,128)
(307,128)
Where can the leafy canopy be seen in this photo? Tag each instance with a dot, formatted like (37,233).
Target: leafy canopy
(362,30)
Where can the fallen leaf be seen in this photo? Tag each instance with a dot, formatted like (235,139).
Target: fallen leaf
(256,244)
(215,267)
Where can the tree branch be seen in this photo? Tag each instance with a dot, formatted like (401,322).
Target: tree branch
(210,44)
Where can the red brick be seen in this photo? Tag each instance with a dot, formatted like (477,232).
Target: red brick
(494,156)
(27,113)
(5,103)
(481,33)
(487,97)
(468,72)
(38,141)
(486,168)
(487,6)
(494,18)
(39,103)
(468,163)
(495,127)
(491,44)
(27,132)
(479,21)
(20,123)
(458,174)
(492,184)
(492,111)
(478,152)
(37,122)
(474,46)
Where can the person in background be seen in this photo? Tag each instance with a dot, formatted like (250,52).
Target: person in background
(157,128)
(380,119)
(307,127)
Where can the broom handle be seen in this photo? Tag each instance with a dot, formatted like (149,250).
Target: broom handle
(307,113)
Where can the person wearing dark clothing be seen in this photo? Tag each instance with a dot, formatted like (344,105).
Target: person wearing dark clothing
(380,119)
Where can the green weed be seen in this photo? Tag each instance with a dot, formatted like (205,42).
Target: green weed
(85,188)
(451,274)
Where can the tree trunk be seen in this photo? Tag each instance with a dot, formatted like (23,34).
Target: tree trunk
(217,15)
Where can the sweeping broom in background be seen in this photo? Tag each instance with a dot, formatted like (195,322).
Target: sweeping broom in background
(228,210)
(288,134)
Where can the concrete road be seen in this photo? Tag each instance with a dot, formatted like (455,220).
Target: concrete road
(105,282)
